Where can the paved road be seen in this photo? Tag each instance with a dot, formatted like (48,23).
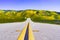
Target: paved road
(46,31)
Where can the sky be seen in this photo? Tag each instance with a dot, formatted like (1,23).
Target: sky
(53,5)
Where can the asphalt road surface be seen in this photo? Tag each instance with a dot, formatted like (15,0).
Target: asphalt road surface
(8,31)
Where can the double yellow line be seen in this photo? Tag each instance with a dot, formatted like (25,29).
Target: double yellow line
(26,34)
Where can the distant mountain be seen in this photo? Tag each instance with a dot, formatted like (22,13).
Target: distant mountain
(58,12)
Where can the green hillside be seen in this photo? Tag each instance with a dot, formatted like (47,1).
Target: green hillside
(43,16)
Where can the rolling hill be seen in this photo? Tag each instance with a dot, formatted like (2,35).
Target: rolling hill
(44,16)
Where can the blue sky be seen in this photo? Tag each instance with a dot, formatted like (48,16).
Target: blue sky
(30,4)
